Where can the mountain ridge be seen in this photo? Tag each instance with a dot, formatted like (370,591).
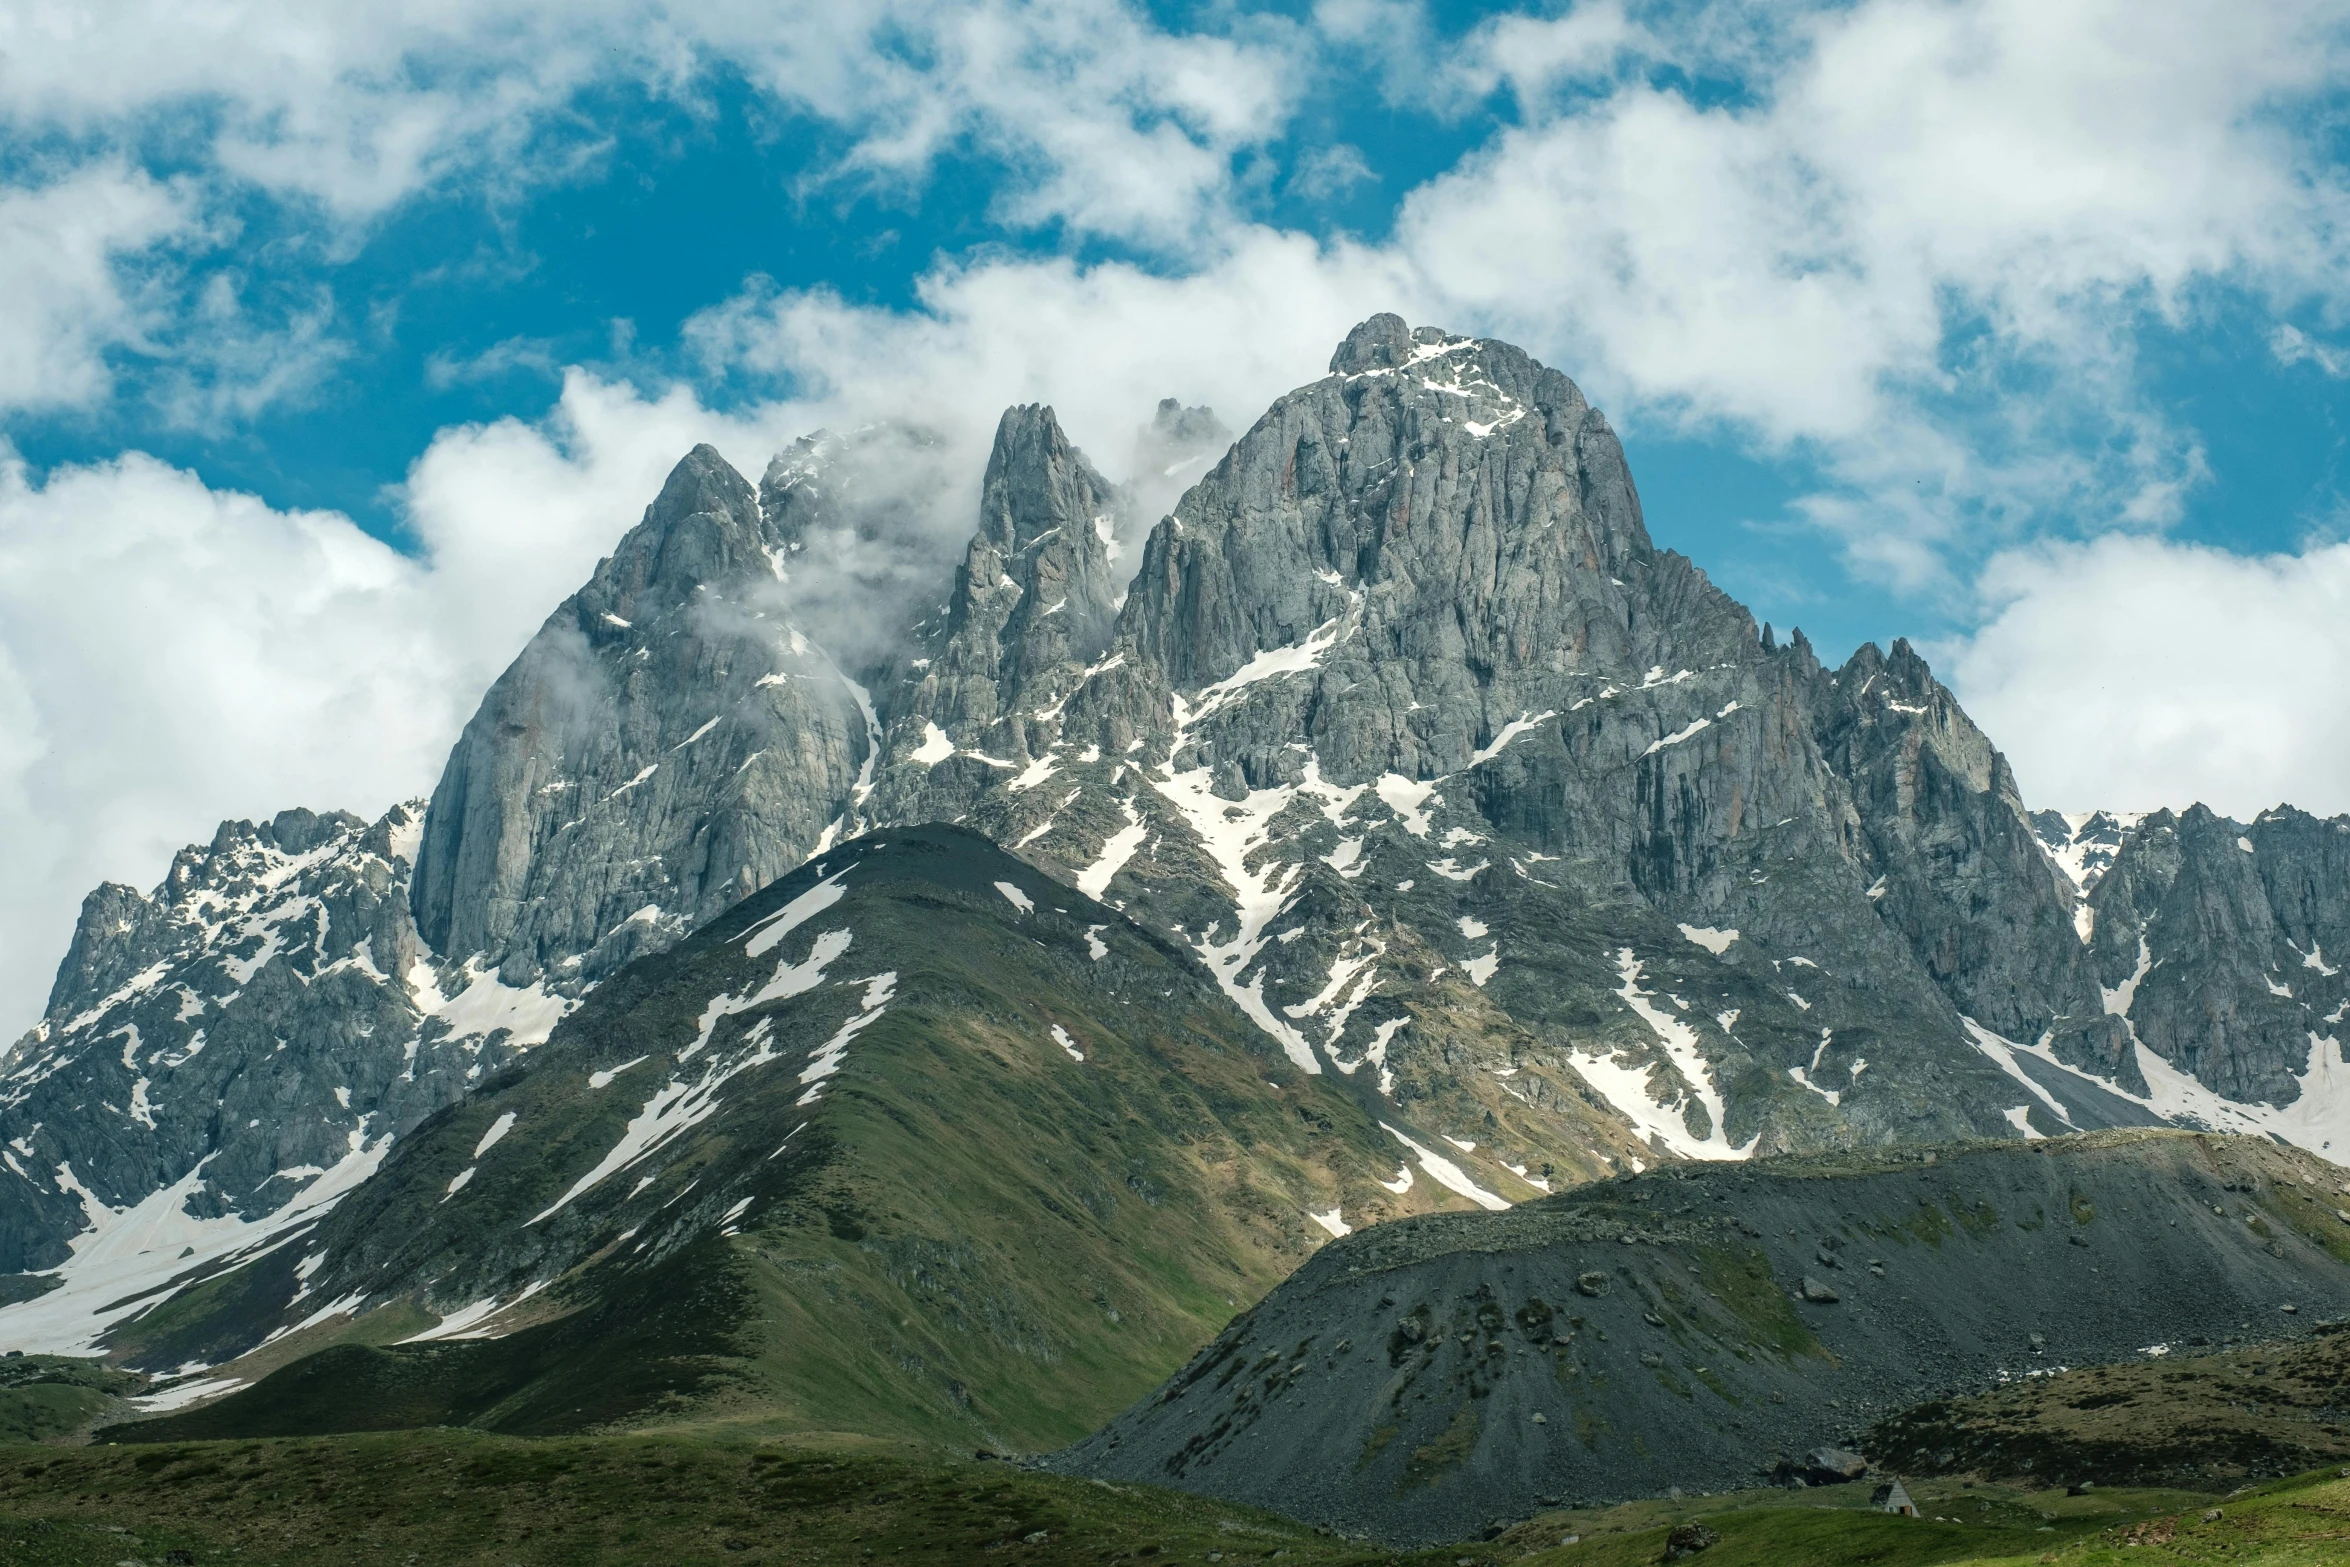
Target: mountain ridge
(1466,795)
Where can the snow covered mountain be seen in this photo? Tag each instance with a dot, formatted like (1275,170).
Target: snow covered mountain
(250,1037)
(1470,799)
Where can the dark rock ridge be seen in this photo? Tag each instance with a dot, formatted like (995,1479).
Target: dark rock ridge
(1426,1377)
(1463,791)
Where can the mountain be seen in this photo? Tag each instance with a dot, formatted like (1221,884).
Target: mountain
(1703,1325)
(665,746)
(224,1055)
(2208,938)
(1491,818)
(915,1141)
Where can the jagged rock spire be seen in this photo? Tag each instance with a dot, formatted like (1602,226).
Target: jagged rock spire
(664,746)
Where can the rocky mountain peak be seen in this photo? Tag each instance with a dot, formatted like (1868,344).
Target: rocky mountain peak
(98,959)
(1178,429)
(1383,342)
(1439,498)
(666,744)
(1045,523)
(223,1046)
(704,527)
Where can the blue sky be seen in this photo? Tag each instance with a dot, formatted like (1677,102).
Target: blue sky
(339,341)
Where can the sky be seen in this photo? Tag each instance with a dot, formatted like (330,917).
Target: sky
(338,342)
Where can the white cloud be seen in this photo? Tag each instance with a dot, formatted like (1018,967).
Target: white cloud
(2134,672)
(1530,55)
(2293,346)
(1101,344)
(1108,122)
(68,254)
(1923,248)
(172,656)
(1330,172)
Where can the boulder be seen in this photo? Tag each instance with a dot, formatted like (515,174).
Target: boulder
(1832,1466)
(1687,1540)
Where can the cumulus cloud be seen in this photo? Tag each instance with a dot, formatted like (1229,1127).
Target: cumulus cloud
(69,254)
(1100,343)
(1105,120)
(1924,249)
(2132,673)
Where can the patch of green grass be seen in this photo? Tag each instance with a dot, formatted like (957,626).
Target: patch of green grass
(1929,1224)
(470,1500)
(46,1398)
(2298,1523)
(1741,1280)
(1979,1220)
(462,1498)
(1433,1461)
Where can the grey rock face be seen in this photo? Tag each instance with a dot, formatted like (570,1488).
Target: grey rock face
(666,745)
(2219,945)
(1030,609)
(1033,594)
(1966,880)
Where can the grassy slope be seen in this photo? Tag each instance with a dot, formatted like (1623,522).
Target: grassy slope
(50,1398)
(2210,1421)
(972,1239)
(2299,1522)
(465,1498)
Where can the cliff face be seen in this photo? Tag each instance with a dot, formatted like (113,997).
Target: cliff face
(667,744)
(2217,943)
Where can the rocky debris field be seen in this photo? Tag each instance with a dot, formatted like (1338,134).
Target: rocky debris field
(1442,1374)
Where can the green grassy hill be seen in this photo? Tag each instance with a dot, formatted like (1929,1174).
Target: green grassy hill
(926,1146)
(2209,1420)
